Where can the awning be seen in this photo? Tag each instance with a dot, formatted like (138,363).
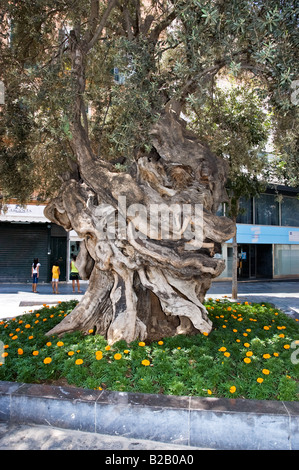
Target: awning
(23,214)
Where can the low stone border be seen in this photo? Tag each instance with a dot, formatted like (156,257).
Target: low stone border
(215,423)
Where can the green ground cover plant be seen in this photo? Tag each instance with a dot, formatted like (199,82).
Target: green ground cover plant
(252,352)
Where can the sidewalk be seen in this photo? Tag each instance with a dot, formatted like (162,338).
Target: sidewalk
(284,295)
(16,299)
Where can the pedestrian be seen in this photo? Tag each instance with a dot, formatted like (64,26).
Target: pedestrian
(55,277)
(75,274)
(35,274)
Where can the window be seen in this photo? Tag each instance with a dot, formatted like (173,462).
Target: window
(266,210)
(290,211)
(245,211)
(286,260)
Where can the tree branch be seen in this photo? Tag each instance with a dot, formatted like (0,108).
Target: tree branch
(102,24)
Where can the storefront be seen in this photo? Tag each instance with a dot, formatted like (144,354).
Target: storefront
(267,238)
(25,234)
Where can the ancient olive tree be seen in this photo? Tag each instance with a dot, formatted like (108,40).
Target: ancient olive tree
(105,83)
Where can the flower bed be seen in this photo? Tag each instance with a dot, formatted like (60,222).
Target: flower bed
(252,352)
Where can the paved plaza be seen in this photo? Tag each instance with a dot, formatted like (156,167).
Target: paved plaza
(16,299)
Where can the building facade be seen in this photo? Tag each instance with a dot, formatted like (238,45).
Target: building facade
(267,237)
(25,234)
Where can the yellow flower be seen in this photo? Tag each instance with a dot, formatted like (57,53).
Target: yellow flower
(232,389)
(35,353)
(226,354)
(90,331)
(20,351)
(266,371)
(245,334)
(234,330)
(60,343)
(286,346)
(70,353)
(246,345)
(126,351)
(27,326)
(260,380)
(229,309)
(281,335)
(117,356)
(99,355)
(276,354)
(49,343)
(47,360)
(205,333)
(14,337)
(5,354)
(145,362)
(79,361)
(266,328)
(141,343)
(249,353)
(247,360)
(209,391)
(30,337)
(160,343)
(266,356)
(222,349)
(107,348)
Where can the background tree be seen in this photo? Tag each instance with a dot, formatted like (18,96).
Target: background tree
(236,124)
(63,56)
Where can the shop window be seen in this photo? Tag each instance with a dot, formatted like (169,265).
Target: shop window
(286,260)
(290,211)
(245,211)
(266,210)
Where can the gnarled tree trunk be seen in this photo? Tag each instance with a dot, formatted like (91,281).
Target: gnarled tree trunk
(148,248)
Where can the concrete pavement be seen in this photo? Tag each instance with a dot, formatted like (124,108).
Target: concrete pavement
(25,437)
(16,299)
(283,294)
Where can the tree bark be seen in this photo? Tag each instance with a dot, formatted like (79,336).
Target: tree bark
(149,264)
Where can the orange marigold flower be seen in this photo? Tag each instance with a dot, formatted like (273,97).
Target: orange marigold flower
(145,362)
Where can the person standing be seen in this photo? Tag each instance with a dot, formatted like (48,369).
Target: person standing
(35,274)
(55,277)
(74,274)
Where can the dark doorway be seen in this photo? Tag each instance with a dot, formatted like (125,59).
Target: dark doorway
(58,253)
(255,261)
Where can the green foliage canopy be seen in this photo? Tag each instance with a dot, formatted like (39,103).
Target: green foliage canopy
(164,51)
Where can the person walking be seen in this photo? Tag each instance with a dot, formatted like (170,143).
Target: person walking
(74,274)
(55,277)
(35,274)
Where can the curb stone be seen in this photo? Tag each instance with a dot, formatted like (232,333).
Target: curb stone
(215,423)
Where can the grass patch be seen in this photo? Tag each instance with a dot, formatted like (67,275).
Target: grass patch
(252,352)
